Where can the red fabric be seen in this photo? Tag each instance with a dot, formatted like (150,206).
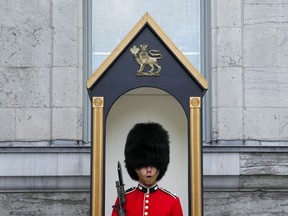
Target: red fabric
(157,203)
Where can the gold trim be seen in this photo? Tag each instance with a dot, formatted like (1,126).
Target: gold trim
(97,157)
(146,18)
(195,156)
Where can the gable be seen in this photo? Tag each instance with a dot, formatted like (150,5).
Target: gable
(146,31)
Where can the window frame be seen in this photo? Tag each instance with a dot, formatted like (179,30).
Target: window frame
(205,67)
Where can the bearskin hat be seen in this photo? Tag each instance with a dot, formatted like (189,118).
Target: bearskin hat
(147,144)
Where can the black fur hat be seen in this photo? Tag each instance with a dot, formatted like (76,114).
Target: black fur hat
(147,144)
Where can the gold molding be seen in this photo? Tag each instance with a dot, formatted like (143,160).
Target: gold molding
(146,19)
(195,156)
(97,157)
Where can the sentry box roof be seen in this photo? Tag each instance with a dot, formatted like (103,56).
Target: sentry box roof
(146,57)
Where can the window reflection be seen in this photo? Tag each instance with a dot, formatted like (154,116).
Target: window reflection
(112,20)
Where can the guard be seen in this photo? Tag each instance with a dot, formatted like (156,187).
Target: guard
(146,159)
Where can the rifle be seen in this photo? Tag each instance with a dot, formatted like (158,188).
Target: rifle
(120,192)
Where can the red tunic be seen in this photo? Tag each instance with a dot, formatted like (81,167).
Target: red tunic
(154,201)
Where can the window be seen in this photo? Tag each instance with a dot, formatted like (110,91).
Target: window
(112,20)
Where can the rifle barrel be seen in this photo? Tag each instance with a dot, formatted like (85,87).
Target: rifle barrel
(120,173)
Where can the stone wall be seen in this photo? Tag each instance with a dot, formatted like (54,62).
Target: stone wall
(254,203)
(249,76)
(41,105)
(253,183)
(50,204)
(78,204)
(245,166)
(41,70)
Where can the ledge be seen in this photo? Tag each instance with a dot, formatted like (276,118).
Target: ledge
(247,146)
(44,183)
(68,146)
(82,183)
(56,146)
(245,183)
(244,149)
(62,149)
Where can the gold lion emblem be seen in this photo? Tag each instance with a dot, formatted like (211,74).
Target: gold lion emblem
(143,58)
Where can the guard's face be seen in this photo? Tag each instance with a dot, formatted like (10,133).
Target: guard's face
(148,172)
(148,175)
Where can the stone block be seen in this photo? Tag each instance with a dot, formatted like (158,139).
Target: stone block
(28,164)
(256,203)
(263,182)
(80,48)
(214,48)
(214,87)
(80,14)
(33,124)
(66,87)
(35,47)
(229,13)
(230,87)
(44,183)
(263,88)
(283,87)
(81,88)
(35,204)
(22,14)
(7,124)
(214,123)
(67,123)
(65,47)
(220,182)
(263,164)
(229,47)
(265,14)
(260,47)
(284,13)
(79,164)
(25,87)
(283,123)
(283,47)
(65,13)
(45,164)
(9,46)
(221,164)
(230,123)
(26,47)
(261,123)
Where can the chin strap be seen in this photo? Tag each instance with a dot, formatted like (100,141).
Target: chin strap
(147,182)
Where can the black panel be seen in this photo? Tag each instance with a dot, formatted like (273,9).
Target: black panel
(121,77)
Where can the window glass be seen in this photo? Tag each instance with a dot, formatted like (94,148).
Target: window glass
(112,20)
